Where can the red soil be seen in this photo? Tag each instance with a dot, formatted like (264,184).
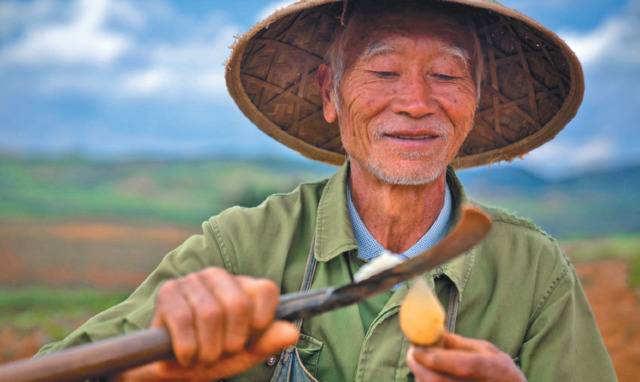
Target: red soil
(119,256)
(105,255)
(617,311)
(13,266)
(111,232)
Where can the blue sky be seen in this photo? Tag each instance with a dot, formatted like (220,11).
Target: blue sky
(117,78)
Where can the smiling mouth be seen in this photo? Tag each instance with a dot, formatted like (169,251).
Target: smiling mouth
(411,137)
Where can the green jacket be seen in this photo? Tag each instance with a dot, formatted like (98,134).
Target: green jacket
(516,289)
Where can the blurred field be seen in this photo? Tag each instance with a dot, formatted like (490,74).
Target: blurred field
(617,310)
(56,274)
(77,236)
(70,254)
(189,191)
(176,192)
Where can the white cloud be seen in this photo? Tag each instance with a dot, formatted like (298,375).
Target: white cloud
(590,47)
(194,68)
(15,14)
(594,153)
(111,48)
(127,14)
(616,40)
(83,40)
(146,81)
(272,7)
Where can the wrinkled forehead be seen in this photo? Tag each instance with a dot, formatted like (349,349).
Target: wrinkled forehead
(368,31)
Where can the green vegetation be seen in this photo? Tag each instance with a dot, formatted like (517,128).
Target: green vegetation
(187,192)
(55,311)
(183,192)
(45,298)
(634,271)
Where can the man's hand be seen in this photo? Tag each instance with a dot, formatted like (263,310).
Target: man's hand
(220,325)
(463,359)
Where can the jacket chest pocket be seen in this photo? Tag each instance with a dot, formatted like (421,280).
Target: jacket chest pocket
(309,349)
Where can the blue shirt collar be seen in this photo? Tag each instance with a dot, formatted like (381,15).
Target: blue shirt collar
(368,246)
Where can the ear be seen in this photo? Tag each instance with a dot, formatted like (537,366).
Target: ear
(324,76)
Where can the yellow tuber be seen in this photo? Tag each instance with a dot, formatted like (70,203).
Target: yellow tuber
(421,315)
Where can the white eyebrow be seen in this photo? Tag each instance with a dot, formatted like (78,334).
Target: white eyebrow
(457,52)
(377,48)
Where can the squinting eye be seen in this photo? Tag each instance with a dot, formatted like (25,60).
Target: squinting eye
(445,77)
(384,74)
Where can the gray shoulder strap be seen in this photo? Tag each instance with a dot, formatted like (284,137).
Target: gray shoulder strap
(309,272)
(452,308)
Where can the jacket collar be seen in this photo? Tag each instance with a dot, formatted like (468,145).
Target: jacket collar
(334,233)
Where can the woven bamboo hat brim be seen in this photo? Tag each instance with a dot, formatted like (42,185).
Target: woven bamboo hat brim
(532,82)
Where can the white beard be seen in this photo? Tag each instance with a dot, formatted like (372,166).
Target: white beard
(425,177)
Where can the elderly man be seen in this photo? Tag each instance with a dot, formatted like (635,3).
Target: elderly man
(401,90)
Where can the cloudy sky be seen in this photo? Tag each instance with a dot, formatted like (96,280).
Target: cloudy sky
(117,78)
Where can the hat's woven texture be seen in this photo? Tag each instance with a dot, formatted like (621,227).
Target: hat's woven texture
(532,83)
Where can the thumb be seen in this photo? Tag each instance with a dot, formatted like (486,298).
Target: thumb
(277,337)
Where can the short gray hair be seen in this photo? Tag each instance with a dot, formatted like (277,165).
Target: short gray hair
(335,55)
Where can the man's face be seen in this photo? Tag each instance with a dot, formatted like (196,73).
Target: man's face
(407,98)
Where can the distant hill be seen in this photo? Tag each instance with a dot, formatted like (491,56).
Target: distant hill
(488,181)
(591,204)
(189,191)
(183,192)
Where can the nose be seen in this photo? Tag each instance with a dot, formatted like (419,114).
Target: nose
(414,99)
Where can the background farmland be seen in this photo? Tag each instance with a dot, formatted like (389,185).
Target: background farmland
(118,137)
(78,235)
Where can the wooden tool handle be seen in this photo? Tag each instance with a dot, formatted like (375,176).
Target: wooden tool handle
(113,355)
(101,358)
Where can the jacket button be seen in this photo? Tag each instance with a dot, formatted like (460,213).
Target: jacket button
(271,361)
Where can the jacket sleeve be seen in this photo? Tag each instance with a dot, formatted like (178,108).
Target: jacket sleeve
(563,342)
(134,313)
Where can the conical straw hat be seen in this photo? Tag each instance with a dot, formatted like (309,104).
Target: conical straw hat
(532,87)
